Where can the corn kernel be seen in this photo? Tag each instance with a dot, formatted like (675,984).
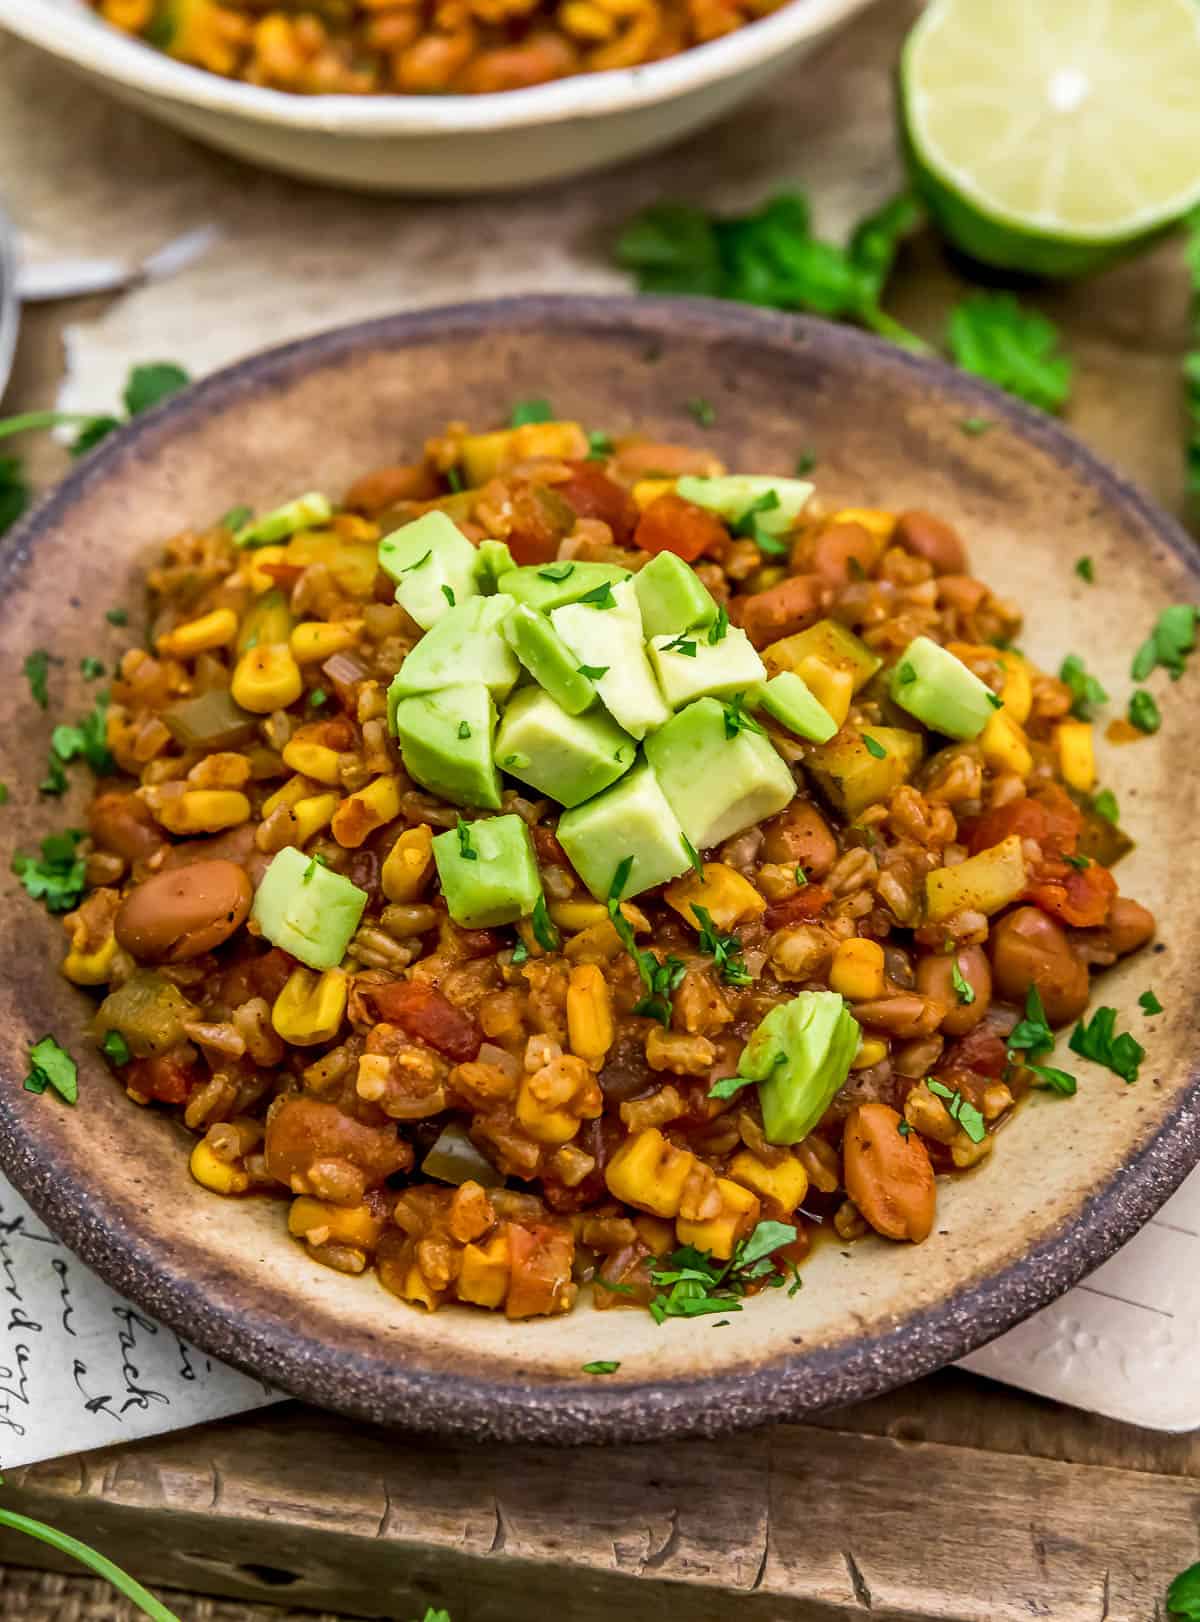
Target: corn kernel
(857,972)
(1002,744)
(719,1235)
(1076,754)
(266,678)
(215,630)
(656,1233)
(647,490)
(871,1050)
(649,1172)
(314,640)
(312,814)
(581,18)
(214,1174)
(484,1272)
(91,968)
(202,811)
(876,522)
(409,864)
(589,1014)
(416,1288)
(729,898)
(572,916)
(781,1188)
(315,760)
(1017,692)
(831,685)
(269,620)
(311,1006)
(486,456)
(372,807)
(253,572)
(289,793)
(354,1225)
(541,1119)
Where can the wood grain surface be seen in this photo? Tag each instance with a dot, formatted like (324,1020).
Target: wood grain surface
(953,1499)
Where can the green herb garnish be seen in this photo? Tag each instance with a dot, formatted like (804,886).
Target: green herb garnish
(147,385)
(465,849)
(719,628)
(411,568)
(520,953)
(801,877)
(1169,643)
(454,480)
(116,616)
(995,337)
(593,672)
(1085,690)
(682,644)
(1105,805)
(317,697)
(1079,862)
(556,571)
(601,1366)
(1096,1039)
(693,855)
(91,669)
(600,597)
(464,729)
(52,1066)
(236,518)
(1052,1080)
(691,1283)
(873,746)
(725,950)
(737,718)
(963,989)
(600,446)
(15,494)
(37,670)
(728,1086)
(527,411)
(1143,711)
(659,979)
(58,877)
(1086,570)
(1183,1596)
(805,463)
(974,426)
(703,412)
(115,1048)
(960,1109)
(448,594)
(1149,1003)
(749,524)
(905,674)
(1031,1034)
(544,931)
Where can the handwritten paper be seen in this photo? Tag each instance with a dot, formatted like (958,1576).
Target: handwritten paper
(81,1368)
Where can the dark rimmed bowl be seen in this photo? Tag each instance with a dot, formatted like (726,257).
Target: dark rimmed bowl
(1070,1180)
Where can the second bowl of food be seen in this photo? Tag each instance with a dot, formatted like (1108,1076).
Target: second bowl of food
(425,98)
(570,933)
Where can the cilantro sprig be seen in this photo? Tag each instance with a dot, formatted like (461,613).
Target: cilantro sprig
(1169,643)
(1032,1036)
(1097,1039)
(725,950)
(661,979)
(960,1110)
(692,1284)
(527,411)
(58,877)
(994,337)
(1183,1596)
(1086,692)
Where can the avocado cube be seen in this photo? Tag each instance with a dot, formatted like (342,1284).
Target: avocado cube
(786,698)
(464,646)
(488,871)
(689,666)
(446,742)
(851,778)
(428,559)
(630,819)
(733,494)
(930,683)
(672,597)
(548,659)
(611,639)
(550,585)
(307,909)
(800,1055)
(830,643)
(568,757)
(717,784)
(492,559)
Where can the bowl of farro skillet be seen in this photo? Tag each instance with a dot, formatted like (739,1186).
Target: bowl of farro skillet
(609,899)
(466,97)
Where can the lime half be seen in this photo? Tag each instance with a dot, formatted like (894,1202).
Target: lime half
(1050,136)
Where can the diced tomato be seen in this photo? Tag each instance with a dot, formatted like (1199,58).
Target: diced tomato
(670,524)
(541,518)
(540,1260)
(166,1078)
(807,903)
(1081,897)
(594,495)
(1050,816)
(424,1013)
(549,851)
(982,1050)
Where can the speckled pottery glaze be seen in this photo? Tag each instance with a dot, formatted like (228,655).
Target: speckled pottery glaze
(1069,1180)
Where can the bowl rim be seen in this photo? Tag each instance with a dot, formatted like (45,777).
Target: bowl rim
(75,34)
(556,1410)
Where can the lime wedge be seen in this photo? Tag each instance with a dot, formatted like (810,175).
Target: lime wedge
(1051,136)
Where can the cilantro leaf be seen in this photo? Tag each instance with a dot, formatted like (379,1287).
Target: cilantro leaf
(873,746)
(1052,1080)
(1086,570)
(600,445)
(150,383)
(448,594)
(464,729)
(15,494)
(93,431)
(465,849)
(1085,690)
(691,1283)
(601,1366)
(961,1109)
(702,411)
(55,780)
(520,953)
(527,411)
(115,1048)
(973,427)
(58,877)
(1144,713)
(1183,1596)
(963,989)
(805,463)
(1169,643)
(994,337)
(600,597)
(91,669)
(736,717)
(1105,805)
(37,670)
(750,525)
(1149,1003)
(719,628)
(556,571)
(728,1086)
(693,855)
(454,479)
(682,645)
(593,672)
(660,979)
(116,616)
(725,950)
(1097,1039)
(52,1066)
(544,931)
(1032,1034)
(87,739)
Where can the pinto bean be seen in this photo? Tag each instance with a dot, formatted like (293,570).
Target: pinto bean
(125,824)
(903,1014)
(935,979)
(844,552)
(888,1175)
(800,836)
(183,912)
(386,486)
(1129,926)
(781,610)
(932,539)
(1029,949)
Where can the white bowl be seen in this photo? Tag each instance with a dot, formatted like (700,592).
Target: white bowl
(436,143)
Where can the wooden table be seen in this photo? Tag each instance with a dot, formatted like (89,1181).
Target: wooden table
(951,1499)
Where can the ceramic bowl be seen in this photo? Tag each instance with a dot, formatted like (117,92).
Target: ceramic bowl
(1069,1181)
(430,144)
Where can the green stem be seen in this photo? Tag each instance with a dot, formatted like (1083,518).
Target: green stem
(40,419)
(887,326)
(104,1567)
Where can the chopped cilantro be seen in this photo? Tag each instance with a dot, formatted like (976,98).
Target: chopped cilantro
(1052,1080)
(411,568)
(520,953)
(148,384)
(465,849)
(87,739)
(600,445)
(593,672)
(728,1086)
(995,701)
(1085,690)
(805,463)
(903,1128)
(1079,862)
(961,1109)
(15,494)
(1169,643)
(600,597)
(659,979)
(906,673)
(1183,1596)
(1149,1003)
(873,746)
(556,571)
(115,1048)
(1143,711)
(91,669)
(725,950)
(37,669)
(544,931)
(736,717)
(692,1283)
(693,855)
(719,628)
(315,861)
(963,989)
(1105,805)
(464,729)
(749,524)
(974,426)
(454,480)
(236,518)
(58,877)
(3,793)
(317,697)
(601,1366)
(52,1066)
(116,616)
(702,411)
(683,645)
(1086,570)
(448,594)
(797,1283)
(1096,1039)
(94,429)
(527,411)
(1031,1034)
(55,780)
(801,877)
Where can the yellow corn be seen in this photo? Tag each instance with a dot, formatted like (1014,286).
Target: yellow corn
(253,572)
(729,898)
(203,811)
(574,916)
(267,678)
(857,970)
(1076,754)
(871,1050)
(876,522)
(315,760)
(312,814)
(295,789)
(539,1104)
(353,527)
(983,883)
(589,1014)
(581,18)
(656,1233)
(781,1188)
(1017,692)
(647,490)
(214,1174)
(354,1225)
(484,1272)
(409,863)
(311,1006)
(269,620)
(372,807)
(740,1210)
(314,640)
(417,1288)
(649,1172)
(486,456)
(91,968)
(215,630)
(1002,743)
(831,685)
